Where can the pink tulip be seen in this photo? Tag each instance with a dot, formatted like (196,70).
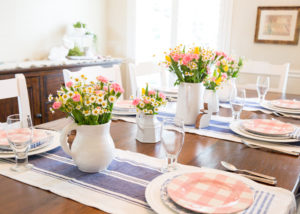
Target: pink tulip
(161,95)
(76,98)
(105,88)
(56,105)
(69,84)
(102,79)
(117,88)
(136,101)
(151,92)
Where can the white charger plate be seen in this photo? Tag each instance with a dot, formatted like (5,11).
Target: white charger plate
(237,128)
(123,113)
(269,106)
(153,189)
(52,145)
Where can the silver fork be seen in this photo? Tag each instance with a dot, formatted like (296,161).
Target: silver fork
(295,134)
(294,153)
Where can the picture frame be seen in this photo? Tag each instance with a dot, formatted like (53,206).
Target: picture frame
(277,25)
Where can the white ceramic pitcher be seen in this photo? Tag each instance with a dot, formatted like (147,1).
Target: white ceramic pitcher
(189,102)
(92,149)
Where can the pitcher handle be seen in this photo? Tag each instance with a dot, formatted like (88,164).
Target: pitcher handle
(63,137)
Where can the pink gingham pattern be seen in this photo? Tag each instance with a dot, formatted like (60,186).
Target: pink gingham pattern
(210,193)
(291,104)
(268,127)
(38,135)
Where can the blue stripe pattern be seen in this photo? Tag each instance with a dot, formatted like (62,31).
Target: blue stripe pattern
(124,179)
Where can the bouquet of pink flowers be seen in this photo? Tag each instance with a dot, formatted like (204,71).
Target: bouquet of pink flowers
(87,103)
(189,66)
(149,102)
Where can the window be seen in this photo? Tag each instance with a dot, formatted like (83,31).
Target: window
(162,24)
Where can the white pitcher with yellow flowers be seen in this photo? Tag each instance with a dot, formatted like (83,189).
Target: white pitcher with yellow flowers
(147,106)
(89,104)
(191,67)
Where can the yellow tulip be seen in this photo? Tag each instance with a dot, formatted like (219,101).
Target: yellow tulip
(218,81)
(196,51)
(226,68)
(168,58)
(143,91)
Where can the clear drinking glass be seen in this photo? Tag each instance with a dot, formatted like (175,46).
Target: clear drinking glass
(19,133)
(262,87)
(237,101)
(172,139)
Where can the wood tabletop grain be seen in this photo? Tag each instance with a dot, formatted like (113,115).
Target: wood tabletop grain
(16,197)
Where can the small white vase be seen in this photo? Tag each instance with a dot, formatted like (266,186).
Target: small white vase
(189,102)
(148,128)
(212,100)
(225,90)
(92,149)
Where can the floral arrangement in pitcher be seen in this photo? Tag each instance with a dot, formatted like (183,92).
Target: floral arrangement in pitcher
(149,102)
(190,66)
(225,68)
(87,103)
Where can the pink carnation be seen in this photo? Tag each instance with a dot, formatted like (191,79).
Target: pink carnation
(186,59)
(117,88)
(218,63)
(136,101)
(102,79)
(176,57)
(146,101)
(105,88)
(69,84)
(151,92)
(56,105)
(76,98)
(218,53)
(224,54)
(161,95)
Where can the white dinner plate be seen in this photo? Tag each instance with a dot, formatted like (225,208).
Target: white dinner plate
(81,57)
(269,106)
(153,190)
(123,113)
(170,91)
(237,128)
(52,145)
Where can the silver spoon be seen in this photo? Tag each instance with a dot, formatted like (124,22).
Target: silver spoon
(232,168)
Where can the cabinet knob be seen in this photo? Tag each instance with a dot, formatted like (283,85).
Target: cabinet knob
(39,115)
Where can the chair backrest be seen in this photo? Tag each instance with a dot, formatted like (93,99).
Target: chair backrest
(112,73)
(146,72)
(16,87)
(278,75)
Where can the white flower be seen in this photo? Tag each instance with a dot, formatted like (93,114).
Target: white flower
(145,110)
(51,110)
(78,107)
(152,100)
(99,100)
(50,97)
(87,102)
(104,104)
(86,112)
(70,94)
(112,99)
(156,109)
(77,79)
(82,76)
(101,111)
(155,104)
(105,110)
(131,97)
(142,105)
(93,99)
(148,98)
(65,97)
(150,112)
(95,112)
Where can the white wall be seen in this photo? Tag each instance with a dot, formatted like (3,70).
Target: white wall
(242,39)
(30,28)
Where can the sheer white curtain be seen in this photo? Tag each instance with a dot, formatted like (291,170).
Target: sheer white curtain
(162,24)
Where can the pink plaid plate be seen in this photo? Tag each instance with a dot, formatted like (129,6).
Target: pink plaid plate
(290,104)
(208,192)
(124,105)
(268,127)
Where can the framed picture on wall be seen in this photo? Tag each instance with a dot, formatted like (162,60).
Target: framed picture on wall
(277,25)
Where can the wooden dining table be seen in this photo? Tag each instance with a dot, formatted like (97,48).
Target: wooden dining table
(17,197)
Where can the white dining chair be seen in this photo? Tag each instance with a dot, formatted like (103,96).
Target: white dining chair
(111,73)
(147,72)
(278,75)
(16,87)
